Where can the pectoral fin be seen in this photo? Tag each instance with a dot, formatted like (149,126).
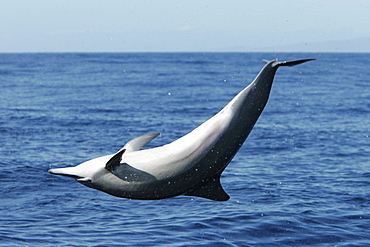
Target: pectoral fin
(210,189)
(139,142)
(126,172)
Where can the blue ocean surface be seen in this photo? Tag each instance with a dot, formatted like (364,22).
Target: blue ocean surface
(302,178)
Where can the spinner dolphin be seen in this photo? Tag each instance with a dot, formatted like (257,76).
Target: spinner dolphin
(191,165)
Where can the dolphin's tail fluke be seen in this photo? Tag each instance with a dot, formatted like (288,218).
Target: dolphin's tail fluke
(294,62)
(288,63)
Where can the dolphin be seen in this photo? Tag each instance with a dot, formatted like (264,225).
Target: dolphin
(191,165)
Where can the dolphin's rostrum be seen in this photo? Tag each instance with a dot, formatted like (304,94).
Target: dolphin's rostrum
(191,165)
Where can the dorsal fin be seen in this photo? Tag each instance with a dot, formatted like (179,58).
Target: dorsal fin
(139,142)
(126,172)
(210,189)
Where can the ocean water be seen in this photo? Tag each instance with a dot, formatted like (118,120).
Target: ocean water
(302,178)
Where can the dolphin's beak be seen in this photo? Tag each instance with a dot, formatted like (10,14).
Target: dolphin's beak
(64,172)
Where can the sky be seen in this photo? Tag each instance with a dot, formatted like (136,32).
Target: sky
(184,26)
